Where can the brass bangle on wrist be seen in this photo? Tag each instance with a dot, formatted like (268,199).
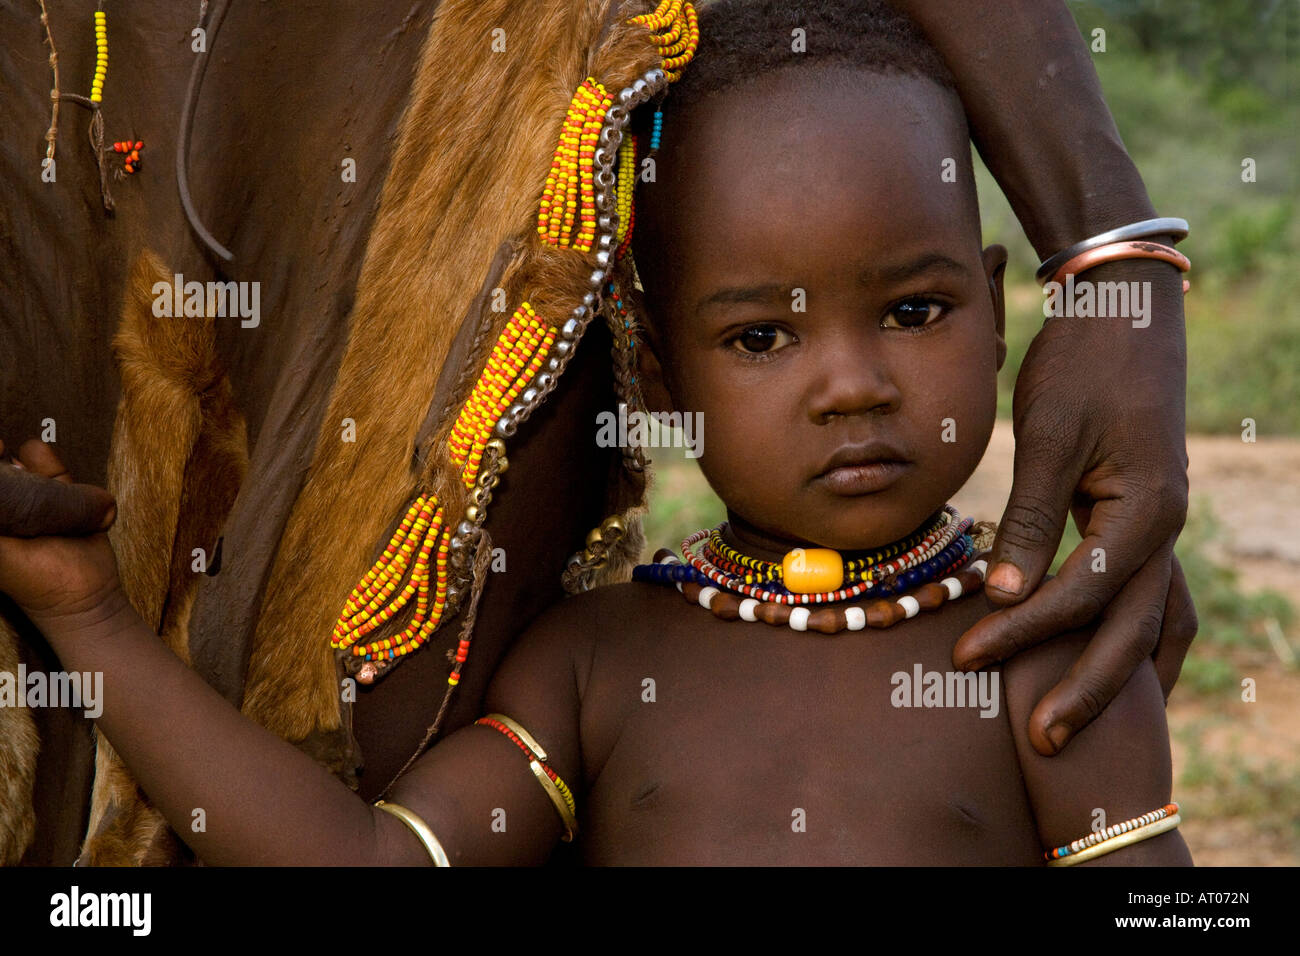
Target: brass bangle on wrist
(420,829)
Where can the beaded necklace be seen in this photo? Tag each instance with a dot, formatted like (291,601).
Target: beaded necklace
(947,562)
(756,571)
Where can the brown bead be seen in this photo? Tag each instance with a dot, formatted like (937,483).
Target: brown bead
(931,596)
(883,613)
(725,606)
(772,613)
(827,620)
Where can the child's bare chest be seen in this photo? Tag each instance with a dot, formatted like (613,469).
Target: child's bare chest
(742,743)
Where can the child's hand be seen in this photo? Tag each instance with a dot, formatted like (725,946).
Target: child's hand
(53,578)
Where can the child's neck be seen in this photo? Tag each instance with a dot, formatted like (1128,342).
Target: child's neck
(754,542)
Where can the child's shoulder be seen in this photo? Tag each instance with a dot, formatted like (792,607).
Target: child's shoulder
(606,612)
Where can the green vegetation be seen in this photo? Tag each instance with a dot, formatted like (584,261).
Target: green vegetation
(1196,87)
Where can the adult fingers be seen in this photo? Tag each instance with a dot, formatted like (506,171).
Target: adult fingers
(1121,533)
(1045,475)
(1129,630)
(41,459)
(1178,630)
(32,504)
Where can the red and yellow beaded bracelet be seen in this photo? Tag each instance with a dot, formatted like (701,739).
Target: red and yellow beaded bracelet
(551,782)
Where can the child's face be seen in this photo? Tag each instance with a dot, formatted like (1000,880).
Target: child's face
(817,290)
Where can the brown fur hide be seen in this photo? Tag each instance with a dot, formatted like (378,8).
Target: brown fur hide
(442,216)
(467,175)
(174,486)
(19,745)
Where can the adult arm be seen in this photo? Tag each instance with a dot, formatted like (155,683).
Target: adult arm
(1099,407)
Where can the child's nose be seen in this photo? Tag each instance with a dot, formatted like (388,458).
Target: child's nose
(852,379)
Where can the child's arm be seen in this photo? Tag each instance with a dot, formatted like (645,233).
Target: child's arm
(1119,763)
(262,800)
(265,802)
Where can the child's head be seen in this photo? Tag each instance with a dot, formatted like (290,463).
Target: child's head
(809,210)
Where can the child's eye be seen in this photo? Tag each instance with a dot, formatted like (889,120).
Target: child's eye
(914,313)
(758,339)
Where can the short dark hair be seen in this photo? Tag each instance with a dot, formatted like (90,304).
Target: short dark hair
(746,40)
(742,40)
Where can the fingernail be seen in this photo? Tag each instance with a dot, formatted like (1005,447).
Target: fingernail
(1007,578)
(1059,735)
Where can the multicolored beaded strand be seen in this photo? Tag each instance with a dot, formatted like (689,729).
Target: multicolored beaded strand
(1093,839)
(516,358)
(931,546)
(757,571)
(675,30)
(420,531)
(626,187)
(132,150)
(963,577)
(947,562)
(1117,836)
(572,173)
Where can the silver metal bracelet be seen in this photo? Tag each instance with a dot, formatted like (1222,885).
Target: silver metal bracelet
(1137,230)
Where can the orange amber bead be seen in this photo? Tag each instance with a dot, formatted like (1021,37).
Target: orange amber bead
(809,570)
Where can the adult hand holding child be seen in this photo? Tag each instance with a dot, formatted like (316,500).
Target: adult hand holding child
(1099,402)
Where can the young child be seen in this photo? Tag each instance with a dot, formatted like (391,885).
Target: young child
(815,287)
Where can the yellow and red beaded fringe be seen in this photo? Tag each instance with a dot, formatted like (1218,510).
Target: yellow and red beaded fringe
(422,530)
(520,350)
(571,171)
(625,184)
(517,356)
(676,31)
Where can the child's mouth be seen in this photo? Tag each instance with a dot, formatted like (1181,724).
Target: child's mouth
(863,479)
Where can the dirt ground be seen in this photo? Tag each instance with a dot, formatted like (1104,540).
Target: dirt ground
(1254,492)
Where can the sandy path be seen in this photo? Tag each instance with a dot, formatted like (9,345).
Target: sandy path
(1253,489)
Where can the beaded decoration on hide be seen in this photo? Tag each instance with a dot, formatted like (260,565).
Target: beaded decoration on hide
(579,209)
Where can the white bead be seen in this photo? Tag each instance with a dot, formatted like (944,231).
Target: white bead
(953,586)
(799,618)
(981,566)
(856,618)
(747,607)
(910,605)
(706,595)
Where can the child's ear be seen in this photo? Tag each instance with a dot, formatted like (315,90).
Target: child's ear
(650,375)
(995,266)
